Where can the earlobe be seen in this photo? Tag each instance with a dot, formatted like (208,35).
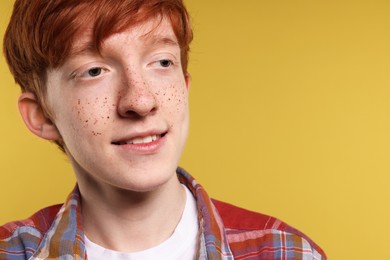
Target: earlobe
(35,119)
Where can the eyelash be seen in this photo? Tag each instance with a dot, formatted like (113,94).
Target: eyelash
(95,74)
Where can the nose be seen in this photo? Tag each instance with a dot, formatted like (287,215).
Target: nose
(136,99)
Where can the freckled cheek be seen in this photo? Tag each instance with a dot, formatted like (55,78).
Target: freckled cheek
(92,115)
(174,98)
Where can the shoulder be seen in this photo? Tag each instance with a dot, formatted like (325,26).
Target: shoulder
(41,221)
(19,238)
(252,234)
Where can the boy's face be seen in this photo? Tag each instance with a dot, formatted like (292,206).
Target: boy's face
(123,115)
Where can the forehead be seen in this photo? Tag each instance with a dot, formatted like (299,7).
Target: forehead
(152,32)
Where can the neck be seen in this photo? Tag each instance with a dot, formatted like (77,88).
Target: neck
(112,216)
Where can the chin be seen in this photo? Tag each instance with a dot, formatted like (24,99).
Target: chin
(146,182)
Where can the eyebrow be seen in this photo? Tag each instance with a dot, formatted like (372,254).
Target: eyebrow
(90,47)
(161,40)
(86,47)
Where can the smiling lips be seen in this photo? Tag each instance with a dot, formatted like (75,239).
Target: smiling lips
(141,140)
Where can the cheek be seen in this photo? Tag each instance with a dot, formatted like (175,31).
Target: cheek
(174,98)
(91,115)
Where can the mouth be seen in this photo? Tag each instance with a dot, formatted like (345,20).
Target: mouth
(140,140)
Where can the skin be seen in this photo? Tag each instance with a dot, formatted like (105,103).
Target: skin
(133,89)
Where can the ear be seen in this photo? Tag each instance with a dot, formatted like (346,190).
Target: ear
(187,77)
(35,119)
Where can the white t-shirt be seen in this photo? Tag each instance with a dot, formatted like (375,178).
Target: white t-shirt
(181,245)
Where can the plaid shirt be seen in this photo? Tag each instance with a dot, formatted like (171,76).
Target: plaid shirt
(226,232)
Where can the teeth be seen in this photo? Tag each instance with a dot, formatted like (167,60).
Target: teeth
(143,140)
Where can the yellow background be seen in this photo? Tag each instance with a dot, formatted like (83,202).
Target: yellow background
(290,110)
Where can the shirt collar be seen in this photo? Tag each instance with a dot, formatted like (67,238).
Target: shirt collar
(211,225)
(65,238)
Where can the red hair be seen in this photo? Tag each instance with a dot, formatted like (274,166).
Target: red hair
(40,34)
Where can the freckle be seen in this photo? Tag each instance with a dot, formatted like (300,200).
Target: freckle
(86,121)
(108,117)
(78,101)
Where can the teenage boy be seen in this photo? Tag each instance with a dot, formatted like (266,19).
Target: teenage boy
(107,81)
